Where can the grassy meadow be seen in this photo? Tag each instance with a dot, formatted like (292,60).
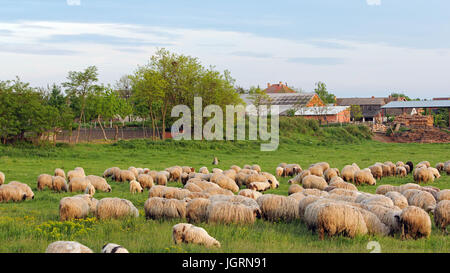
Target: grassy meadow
(31,225)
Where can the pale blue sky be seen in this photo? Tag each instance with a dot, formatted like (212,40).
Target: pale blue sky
(356,48)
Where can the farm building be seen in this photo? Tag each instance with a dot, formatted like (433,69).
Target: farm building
(278,88)
(329,114)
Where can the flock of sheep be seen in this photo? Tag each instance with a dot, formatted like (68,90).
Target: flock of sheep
(324,198)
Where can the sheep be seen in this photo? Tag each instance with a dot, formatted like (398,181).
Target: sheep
(227,183)
(92,202)
(407,168)
(373,223)
(345,198)
(184,178)
(443,195)
(387,170)
(196,210)
(316,192)
(339,183)
(59,184)
(408,186)
(60,172)
(250,193)
(74,174)
(410,192)
(316,170)
(145,180)
(194,195)
(411,165)
(442,215)
(294,188)
(294,169)
(217,170)
(134,170)
(115,208)
(160,179)
(203,170)
(422,199)
(377,200)
(440,166)
(401,171)
(297,196)
(231,212)
(348,173)
(364,177)
(99,183)
(282,165)
(235,168)
(271,179)
(277,207)
(397,198)
(335,218)
(249,202)
(376,170)
(434,191)
(78,184)
(175,173)
(399,164)
(255,178)
(392,167)
(90,189)
(304,202)
(314,182)
(415,223)
(447,167)
(24,187)
(330,173)
(187,233)
(2,178)
(158,208)
(113,248)
(299,177)
(219,190)
(435,172)
(231,174)
(192,187)
(279,171)
(44,180)
(340,191)
(11,193)
(424,163)
(215,161)
(259,186)
(187,169)
(75,207)
(126,175)
(256,168)
(67,247)
(113,172)
(135,187)
(168,192)
(387,215)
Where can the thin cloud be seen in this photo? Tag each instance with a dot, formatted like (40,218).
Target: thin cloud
(373,2)
(73,2)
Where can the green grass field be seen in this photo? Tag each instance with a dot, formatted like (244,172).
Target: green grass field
(31,225)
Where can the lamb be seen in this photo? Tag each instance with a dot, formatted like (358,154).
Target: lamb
(24,187)
(59,184)
(126,175)
(75,207)
(99,183)
(335,218)
(67,247)
(376,170)
(90,189)
(415,223)
(401,171)
(277,207)
(135,187)
(442,215)
(314,182)
(250,193)
(294,188)
(259,186)
(364,177)
(78,184)
(115,208)
(145,180)
(196,210)
(60,172)
(11,193)
(187,233)
(44,180)
(74,174)
(443,195)
(2,178)
(422,199)
(113,248)
(231,212)
(397,198)
(161,179)
(158,208)
(348,173)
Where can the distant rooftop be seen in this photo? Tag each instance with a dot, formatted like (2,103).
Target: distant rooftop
(284,98)
(418,104)
(278,88)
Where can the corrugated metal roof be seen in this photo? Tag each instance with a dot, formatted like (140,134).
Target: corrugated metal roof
(283,98)
(320,110)
(360,101)
(418,104)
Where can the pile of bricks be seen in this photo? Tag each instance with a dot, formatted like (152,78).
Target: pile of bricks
(423,135)
(414,121)
(379,128)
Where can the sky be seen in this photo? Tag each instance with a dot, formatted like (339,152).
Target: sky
(359,48)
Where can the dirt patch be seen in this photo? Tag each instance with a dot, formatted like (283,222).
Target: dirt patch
(416,135)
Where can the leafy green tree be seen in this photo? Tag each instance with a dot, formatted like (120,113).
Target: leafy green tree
(397,95)
(324,95)
(258,97)
(356,112)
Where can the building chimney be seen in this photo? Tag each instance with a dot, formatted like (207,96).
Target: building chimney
(373,97)
(268,84)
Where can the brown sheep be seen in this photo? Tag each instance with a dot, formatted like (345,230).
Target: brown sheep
(187,233)
(60,172)
(314,182)
(24,187)
(442,215)
(115,208)
(423,175)
(59,184)
(159,208)
(11,193)
(294,188)
(126,175)
(348,173)
(250,193)
(145,180)
(401,171)
(415,223)
(44,180)
(364,177)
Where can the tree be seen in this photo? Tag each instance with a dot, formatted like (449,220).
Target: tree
(80,85)
(258,97)
(400,95)
(321,91)
(356,112)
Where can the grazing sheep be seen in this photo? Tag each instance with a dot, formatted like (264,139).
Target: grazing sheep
(161,178)
(159,208)
(2,178)
(340,191)
(415,223)
(75,207)
(145,180)
(74,174)
(227,183)
(90,189)
(422,199)
(401,171)
(115,208)
(314,182)
(187,233)
(196,210)
(11,193)
(271,179)
(387,215)
(277,207)
(217,170)
(440,166)
(376,170)
(250,193)
(259,186)
(304,202)
(134,171)
(294,169)
(348,173)
(113,248)
(231,213)
(397,198)
(236,168)
(78,184)
(297,196)
(24,187)
(279,171)
(408,186)
(377,200)
(364,177)
(60,172)
(67,247)
(112,172)
(346,198)
(44,180)
(434,191)
(443,195)
(249,202)
(168,192)
(215,161)
(334,219)
(424,163)
(230,173)
(410,192)
(59,184)
(316,192)
(299,177)
(339,183)
(447,167)
(126,175)
(316,170)
(399,164)
(219,190)
(255,178)
(411,165)
(175,173)
(373,223)
(187,169)
(99,183)
(435,172)
(192,187)
(184,178)
(330,173)
(442,215)
(392,167)
(194,195)
(135,187)
(294,188)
